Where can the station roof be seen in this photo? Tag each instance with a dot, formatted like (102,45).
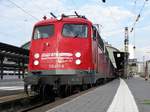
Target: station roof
(13,59)
(6,48)
(111,51)
(119,59)
(13,53)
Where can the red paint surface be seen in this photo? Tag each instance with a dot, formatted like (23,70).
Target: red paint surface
(92,57)
(60,44)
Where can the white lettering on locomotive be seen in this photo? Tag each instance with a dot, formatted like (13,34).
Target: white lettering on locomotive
(56,66)
(46,55)
(58,58)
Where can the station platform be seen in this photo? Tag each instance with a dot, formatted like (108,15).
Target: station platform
(141,91)
(11,85)
(120,95)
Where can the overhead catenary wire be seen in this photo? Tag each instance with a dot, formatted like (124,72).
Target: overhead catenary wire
(138,16)
(134,11)
(114,20)
(23,10)
(135,5)
(136,20)
(111,14)
(36,6)
(22,29)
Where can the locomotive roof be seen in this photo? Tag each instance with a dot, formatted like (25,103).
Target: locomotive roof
(54,20)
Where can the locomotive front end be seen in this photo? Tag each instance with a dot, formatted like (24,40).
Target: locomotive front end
(61,54)
(61,48)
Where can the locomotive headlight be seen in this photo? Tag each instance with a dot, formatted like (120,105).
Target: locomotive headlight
(36,55)
(78,54)
(36,62)
(78,62)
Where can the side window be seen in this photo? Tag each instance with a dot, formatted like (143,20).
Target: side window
(98,37)
(100,41)
(94,35)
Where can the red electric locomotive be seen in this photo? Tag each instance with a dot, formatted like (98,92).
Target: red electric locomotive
(66,55)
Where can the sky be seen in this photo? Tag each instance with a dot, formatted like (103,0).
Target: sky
(16,22)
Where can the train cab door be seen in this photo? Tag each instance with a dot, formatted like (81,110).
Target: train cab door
(95,48)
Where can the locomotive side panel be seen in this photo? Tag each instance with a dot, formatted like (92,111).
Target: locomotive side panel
(99,57)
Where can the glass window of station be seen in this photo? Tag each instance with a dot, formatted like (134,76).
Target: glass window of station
(43,31)
(75,30)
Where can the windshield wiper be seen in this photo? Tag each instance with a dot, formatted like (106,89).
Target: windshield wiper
(76,35)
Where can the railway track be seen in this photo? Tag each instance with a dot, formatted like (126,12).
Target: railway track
(59,101)
(25,103)
(14,103)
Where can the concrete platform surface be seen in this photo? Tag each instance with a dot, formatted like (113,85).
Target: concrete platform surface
(120,95)
(117,96)
(97,100)
(123,100)
(141,92)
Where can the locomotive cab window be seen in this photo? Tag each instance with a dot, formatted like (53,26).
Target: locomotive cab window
(43,31)
(75,30)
